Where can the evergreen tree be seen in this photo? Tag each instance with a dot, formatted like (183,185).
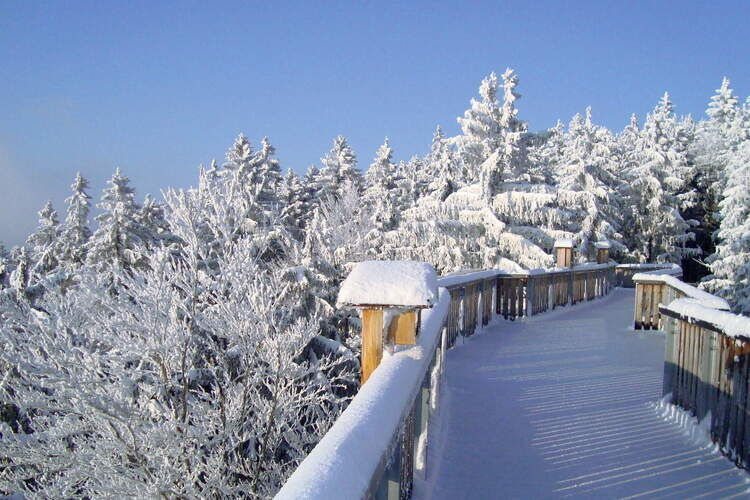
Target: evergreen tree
(587,183)
(312,183)
(731,262)
(480,127)
(295,205)
(443,170)
(154,224)
(267,178)
(76,232)
(545,154)
(119,241)
(658,231)
(382,193)
(45,240)
(507,163)
(339,165)
(6,267)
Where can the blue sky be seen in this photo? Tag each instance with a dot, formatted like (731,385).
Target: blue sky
(158,87)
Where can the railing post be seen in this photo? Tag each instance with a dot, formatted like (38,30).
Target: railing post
(602,252)
(372,341)
(364,289)
(564,253)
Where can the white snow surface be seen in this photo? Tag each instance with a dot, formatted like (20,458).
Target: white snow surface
(666,269)
(603,244)
(392,283)
(461,277)
(648,266)
(733,325)
(343,462)
(564,243)
(705,298)
(562,405)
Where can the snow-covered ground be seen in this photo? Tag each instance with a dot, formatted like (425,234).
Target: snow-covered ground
(566,404)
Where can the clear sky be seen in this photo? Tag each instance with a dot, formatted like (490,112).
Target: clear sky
(158,87)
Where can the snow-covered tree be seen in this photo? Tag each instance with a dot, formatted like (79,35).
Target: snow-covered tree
(295,205)
(339,165)
(253,184)
(267,178)
(5,267)
(382,193)
(189,382)
(545,153)
(155,227)
(76,232)
(119,241)
(480,127)
(658,231)
(444,172)
(44,241)
(730,264)
(587,182)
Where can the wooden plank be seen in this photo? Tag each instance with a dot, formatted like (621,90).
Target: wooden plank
(745,455)
(681,365)
(637,315)
(403,328)
(669,357)
(372,341)
(740,402)
(655,306)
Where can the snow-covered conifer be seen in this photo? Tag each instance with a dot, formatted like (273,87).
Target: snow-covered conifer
(480,127)
(658,231)
(339,165)
(443,170)
(295,205)
(119,241)
(587,182)
(508,162)
(382,193)
(76,233)
(730,264)
(45,240)
(153,223)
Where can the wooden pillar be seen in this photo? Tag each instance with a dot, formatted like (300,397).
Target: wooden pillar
(564,256)
(372,341)
(602,255)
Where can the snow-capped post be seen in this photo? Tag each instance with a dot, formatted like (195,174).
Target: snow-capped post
(602,252)
(564,252)
(388,295)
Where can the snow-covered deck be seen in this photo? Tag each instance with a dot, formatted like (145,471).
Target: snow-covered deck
(565,404)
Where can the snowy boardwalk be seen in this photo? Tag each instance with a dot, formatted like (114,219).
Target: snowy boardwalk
(561,405)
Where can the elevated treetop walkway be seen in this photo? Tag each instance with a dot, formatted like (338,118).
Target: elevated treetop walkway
(550,406)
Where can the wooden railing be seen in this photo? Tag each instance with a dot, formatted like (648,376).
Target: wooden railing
(379,444)
(707,368)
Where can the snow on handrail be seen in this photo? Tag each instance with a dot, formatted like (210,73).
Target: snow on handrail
(463,277)
(731,325)
(668,270)
(353,453)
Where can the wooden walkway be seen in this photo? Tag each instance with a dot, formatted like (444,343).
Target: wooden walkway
(563,405)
